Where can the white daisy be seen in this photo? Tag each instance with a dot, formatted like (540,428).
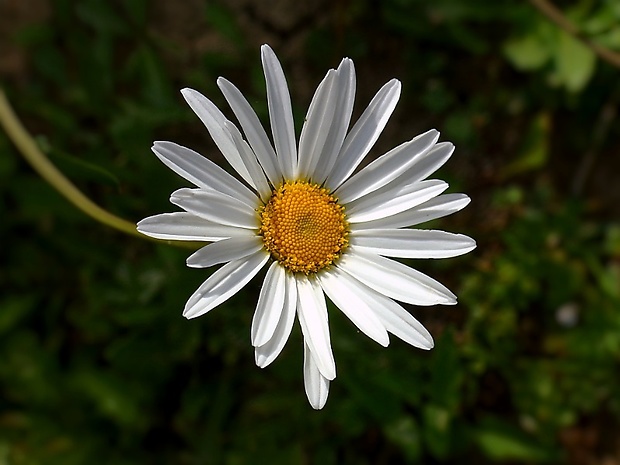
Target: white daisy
(317,227)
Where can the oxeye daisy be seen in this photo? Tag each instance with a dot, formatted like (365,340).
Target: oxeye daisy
(302,213)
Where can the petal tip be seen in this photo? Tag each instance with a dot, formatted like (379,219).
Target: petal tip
(435,133)
(191,312)
(266,52)
(190,263)
(466,199)
(318,405)
(186,92)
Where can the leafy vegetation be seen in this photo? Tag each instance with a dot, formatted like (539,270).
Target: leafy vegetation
(98,366)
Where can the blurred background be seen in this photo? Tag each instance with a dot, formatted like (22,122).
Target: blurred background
(97,365)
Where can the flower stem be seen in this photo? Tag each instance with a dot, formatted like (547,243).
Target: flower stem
(46,169)
(555,15)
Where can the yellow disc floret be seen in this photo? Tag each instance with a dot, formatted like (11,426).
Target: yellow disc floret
(303,227)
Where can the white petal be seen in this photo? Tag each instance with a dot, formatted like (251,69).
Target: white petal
(183,226)
(216,207)
(312,313)
(201,171)
(344,96)
(387,167)
(215,122)
(386,202)
(317,124)
(394,279)
(280,113)
(253,129)
(315,384)
(268,352)
(225,250)
(337,285)
(399,321)
(427,164)
(259,181)
(438,207)
(365,133)
(224,283)
(269,306)
(395,318)
(412,243)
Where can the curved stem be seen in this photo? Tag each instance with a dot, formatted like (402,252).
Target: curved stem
(556,16)
(46,169)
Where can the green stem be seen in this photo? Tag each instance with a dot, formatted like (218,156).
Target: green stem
(41,164)
(555,15)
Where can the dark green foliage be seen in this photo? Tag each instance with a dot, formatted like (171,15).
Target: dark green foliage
(97,364)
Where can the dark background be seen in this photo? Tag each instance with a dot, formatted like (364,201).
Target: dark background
(97,365)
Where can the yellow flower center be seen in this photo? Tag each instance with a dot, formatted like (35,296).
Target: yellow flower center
(303,227)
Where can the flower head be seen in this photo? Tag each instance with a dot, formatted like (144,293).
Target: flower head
(320,229)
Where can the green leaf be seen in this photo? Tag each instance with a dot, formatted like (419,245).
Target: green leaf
(527,53)
(574,63)
(500,441)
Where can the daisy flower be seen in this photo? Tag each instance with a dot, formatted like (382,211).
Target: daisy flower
(318,226)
